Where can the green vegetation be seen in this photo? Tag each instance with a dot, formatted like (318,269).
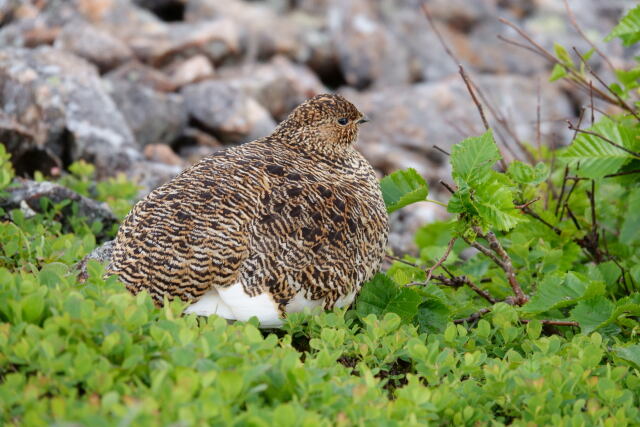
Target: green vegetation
(538,325)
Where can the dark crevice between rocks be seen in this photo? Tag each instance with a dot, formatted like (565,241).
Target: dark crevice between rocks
(167,10)
(330,75)
(197,124)
(67,142)
(36,159)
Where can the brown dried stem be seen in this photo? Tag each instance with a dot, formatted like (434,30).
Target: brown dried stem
(604,138)
(475,316)
(465,78)
(539,218)
(446,153)
(578,78)
(621,102)
(495,245)
(574,22)
(552,322)
(458,281)
(564,183)
(622,173)
(523,206)
(448,187)
(442,259)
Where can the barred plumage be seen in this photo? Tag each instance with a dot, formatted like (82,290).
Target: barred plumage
(292,220)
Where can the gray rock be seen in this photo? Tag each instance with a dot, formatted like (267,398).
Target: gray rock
(150,175)
(229,113)
(153,117)
(140,74)
(28,194)
(404,223)
(102,254)
(191,70)
(368,52)
(60,99)
(93,44)
(279,85)
(27,155)
(262,33)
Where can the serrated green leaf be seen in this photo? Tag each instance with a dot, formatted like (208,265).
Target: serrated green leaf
(494,203)
(557,73)
(403,188)
(628,29)
(473,157)
(523,173)
(594,157)
(592,314)
(630,354)
(560,290)
(381,295)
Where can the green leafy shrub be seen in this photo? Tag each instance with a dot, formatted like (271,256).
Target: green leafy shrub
(537,326)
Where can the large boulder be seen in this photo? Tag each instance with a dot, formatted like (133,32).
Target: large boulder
(93,44)
(279,85)
(229,113)
(154,117)
(59,97)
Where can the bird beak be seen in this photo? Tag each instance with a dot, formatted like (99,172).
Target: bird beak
(364,119)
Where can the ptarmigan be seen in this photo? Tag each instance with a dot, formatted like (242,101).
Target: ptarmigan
(266,228)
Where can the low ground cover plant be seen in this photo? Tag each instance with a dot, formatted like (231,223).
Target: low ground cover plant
(521,309)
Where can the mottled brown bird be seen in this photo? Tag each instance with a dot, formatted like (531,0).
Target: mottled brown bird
(270,227)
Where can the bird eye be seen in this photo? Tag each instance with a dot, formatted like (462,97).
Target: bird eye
(343,121)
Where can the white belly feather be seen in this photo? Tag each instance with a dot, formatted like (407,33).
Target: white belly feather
(234,304)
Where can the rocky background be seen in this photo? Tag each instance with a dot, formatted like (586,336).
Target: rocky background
(147,87)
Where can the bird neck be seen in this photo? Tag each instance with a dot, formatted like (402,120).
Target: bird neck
(311,141)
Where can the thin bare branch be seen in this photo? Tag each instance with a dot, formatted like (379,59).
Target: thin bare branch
(441,260)
(521,45)
(538,132)
(604,138)
(622,173)
(569,193)
(564,183)
(427,13)
(457,282)
(441,150)
(495,245)
(539,218)
(574,22)
(578,78)
(485,251)
(447,186)
(404,261)
(593,115)
(475,316)
(573,217)
(621,102)
(553,322)
(465,78)
(526,205)
(502,121)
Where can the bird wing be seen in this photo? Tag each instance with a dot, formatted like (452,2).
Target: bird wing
(309,236)
(188,234)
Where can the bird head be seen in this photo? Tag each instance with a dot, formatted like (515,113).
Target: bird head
(328,120)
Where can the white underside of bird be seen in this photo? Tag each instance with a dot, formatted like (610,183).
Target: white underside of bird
(234,303)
